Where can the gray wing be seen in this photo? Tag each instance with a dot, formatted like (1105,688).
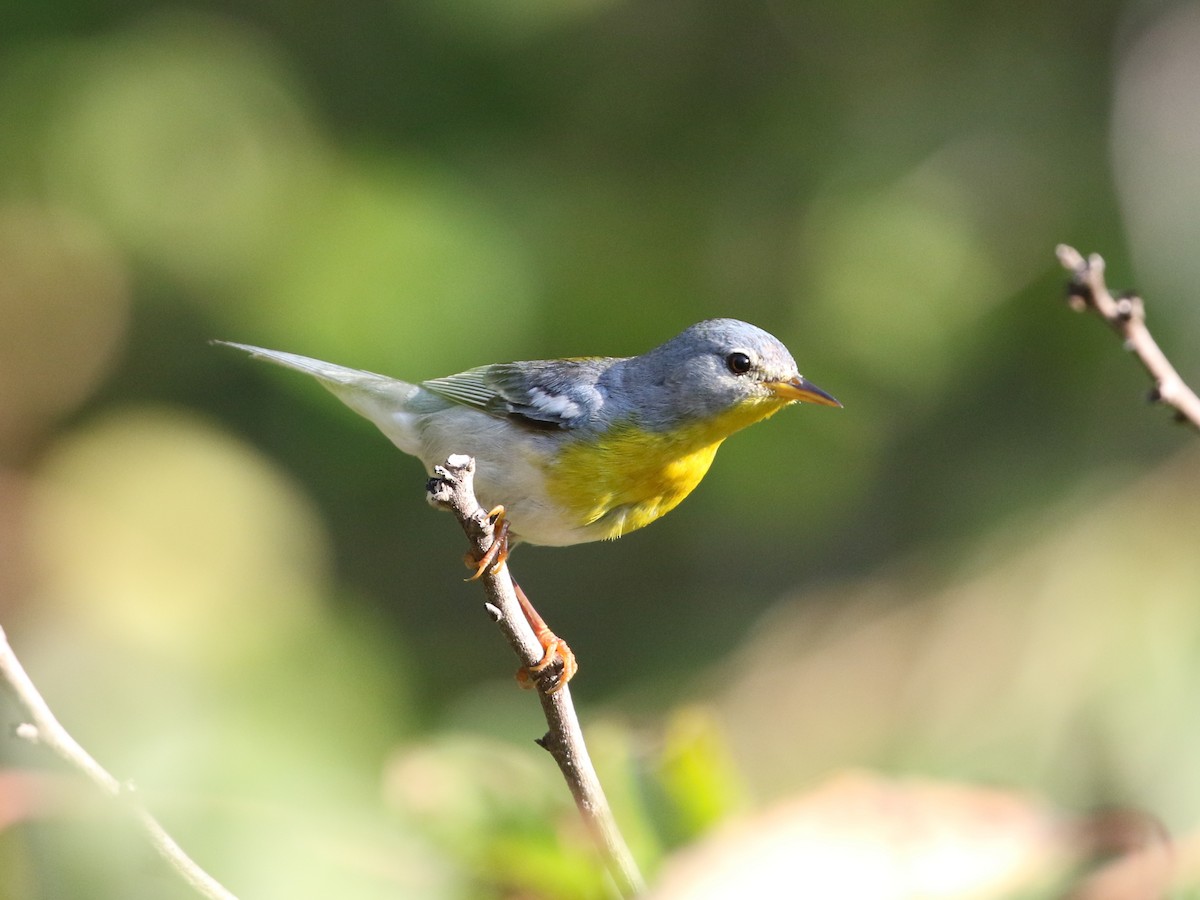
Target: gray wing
(563,393)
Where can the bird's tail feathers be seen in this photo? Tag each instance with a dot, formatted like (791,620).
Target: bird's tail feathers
(323,371)
(377,397)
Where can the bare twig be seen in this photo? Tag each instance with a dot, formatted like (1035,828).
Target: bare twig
(452,488)
(45,729)
(1126,315)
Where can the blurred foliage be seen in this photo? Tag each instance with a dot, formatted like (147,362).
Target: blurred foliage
(229,588)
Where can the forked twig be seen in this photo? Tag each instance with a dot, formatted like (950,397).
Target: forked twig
(452,488)
(1126,315)
(44,728)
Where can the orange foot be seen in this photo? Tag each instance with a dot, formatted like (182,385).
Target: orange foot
(555,650)
(495,555)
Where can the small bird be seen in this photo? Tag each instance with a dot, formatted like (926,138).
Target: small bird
(580,449)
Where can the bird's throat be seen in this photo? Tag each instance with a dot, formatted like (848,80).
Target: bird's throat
(630,477)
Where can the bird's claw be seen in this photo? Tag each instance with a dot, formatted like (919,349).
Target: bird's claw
(497,554)
(556,651)
(546,674)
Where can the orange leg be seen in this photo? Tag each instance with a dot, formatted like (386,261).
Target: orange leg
(497,554)
(555,648)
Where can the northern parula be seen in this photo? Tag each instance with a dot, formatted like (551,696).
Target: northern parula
(587,448)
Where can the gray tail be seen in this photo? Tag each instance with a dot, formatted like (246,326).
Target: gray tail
(375,397)
(327,373)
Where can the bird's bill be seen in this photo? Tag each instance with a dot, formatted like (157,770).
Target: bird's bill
(800,388)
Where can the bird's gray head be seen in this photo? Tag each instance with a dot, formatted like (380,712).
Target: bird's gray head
(714,367)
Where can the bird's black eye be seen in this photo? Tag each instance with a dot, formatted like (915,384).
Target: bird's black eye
(738,362)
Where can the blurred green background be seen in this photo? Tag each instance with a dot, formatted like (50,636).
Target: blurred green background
(229,587)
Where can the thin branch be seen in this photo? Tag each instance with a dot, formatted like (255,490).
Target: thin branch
(1126,315)
(45,729)
(452,488)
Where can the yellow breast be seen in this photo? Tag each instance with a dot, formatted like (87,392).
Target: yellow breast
(630,477)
